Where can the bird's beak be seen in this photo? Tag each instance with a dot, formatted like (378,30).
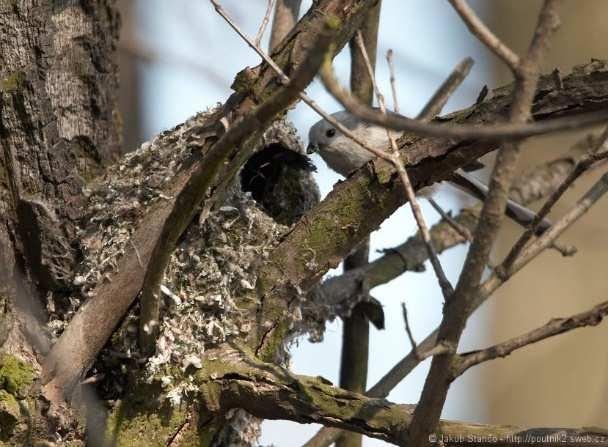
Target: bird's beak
(311,148)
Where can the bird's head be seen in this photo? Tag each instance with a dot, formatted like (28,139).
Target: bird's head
(339,152)
(323,134)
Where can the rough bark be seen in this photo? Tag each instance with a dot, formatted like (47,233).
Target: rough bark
(58,124)
(239,379)
(58,127)
(265,289)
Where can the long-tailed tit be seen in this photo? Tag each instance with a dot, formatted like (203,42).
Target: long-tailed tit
(344,156)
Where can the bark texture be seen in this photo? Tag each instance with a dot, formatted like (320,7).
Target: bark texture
(235,286)
(58,125)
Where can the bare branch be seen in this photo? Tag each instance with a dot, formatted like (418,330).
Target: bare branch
(444,283)
(556,326)
(395,121)
(456,311)
(408,331)
(264,24)
(285,17)
(580,168)
(484,34)
(391,69)
(436,103)
(460,229)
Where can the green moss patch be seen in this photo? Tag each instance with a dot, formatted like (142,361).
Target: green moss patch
(15,376)
(9,414)
(13,82)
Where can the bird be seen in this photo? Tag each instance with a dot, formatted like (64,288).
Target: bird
(345,156)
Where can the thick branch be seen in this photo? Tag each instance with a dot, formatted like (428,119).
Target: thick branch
(381,389)
(457,310)
(270,392)
(358,205)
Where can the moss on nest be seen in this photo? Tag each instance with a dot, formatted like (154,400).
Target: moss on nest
(15,376)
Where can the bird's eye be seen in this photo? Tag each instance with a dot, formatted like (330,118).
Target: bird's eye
(330,133)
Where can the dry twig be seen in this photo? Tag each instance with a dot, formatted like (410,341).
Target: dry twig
(599,153)
(391,69)
(460,229)
(394,158)
(484,34)
(436,103)
(408,331)
(554,327)
(264,24)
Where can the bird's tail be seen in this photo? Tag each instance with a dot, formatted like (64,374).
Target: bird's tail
(519,213)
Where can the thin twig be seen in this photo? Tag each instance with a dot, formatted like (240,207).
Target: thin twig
(581,207)
(554,327)
(484,34)
(460,229)
(444,283)
(408,331)
(434,106)
(391,69)
(370,71)
(264,24)
(600,152)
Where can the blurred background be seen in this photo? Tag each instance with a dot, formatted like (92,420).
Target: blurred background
(177,58)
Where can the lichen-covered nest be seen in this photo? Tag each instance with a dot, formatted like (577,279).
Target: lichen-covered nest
(208,293)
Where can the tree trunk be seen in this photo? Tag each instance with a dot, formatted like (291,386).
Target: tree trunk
(58,127)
